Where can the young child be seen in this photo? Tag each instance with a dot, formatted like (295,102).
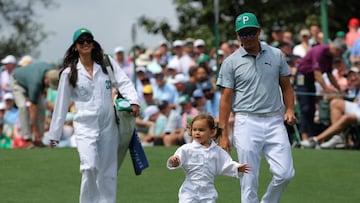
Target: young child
(202,160)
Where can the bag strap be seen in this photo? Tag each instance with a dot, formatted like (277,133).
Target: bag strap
(109,69)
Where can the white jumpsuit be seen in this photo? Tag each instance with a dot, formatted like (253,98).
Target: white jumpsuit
(96,131)
(201,165)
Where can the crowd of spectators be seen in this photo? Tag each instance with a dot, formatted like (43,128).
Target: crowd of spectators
(176,81)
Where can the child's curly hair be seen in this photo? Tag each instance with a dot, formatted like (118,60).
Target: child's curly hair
(210,121)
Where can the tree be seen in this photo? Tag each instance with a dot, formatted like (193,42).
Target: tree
(196,17)
(20,33)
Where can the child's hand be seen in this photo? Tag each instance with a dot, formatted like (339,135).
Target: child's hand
(175,161)
(244,168)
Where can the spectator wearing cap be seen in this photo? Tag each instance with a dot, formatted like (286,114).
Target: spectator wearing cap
(119,56)
(11,113)
(291,59)
(353,82)
(165,52)
(212,98)
(162,89)
(152,114)
(199,46)
(199,100)
(143,60)
(179,82)
(142,125)
(171,70)
(304,46)
(9,63)
(317,61)
(352,35)
(188,111)
(142,78)
(180,57)
(187,59)
(277,35)
(346,56)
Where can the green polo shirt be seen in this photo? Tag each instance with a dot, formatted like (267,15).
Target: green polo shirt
(254,79)
(31,78)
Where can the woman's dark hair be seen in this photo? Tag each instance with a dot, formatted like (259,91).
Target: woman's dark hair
(71,59)
(210,121)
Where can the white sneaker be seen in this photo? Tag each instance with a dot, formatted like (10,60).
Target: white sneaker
(335,142)
(310,143)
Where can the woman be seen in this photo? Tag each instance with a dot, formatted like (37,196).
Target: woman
(84,82)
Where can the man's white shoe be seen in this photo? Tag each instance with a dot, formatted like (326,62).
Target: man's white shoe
(335,142)
(310,143)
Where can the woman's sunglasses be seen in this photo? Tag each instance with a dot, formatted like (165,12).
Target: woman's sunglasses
(87,40)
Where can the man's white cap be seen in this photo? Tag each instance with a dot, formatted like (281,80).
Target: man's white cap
(119,49)
(174,64)
(8,95)
(199,42)
(178,43)
(141,69)
(163,42)
(179,78)
(149,111)
(9,59)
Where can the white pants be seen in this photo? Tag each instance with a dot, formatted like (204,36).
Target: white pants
(98,165)
(254,135)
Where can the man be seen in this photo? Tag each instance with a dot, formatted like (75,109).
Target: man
(28,85)
(277,35)
(10,64)
(342,114)
(119,53)
(250,79)
(317,61)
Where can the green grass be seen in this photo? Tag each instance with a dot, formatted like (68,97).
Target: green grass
(52,176)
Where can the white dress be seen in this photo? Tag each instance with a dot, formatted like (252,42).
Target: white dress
(201,165)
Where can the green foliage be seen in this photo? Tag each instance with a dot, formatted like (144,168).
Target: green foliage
(20,33)
(196,17)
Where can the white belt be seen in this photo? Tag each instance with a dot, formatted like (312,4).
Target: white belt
(258,114)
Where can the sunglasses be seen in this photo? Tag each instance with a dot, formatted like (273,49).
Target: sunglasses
(159,76)
(244,35)
(87,40)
